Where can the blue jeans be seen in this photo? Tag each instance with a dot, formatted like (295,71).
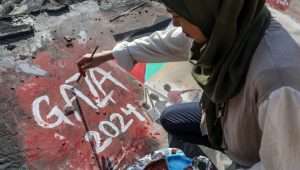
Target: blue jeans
(182,122)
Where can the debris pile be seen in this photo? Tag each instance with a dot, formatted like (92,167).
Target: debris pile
(13,14)
(9,31)
(22,7)
(10,10)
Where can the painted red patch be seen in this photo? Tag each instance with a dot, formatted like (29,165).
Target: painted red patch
(120,130)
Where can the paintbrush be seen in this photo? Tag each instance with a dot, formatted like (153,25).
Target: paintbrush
(69,110)
(91,58)
(87,129)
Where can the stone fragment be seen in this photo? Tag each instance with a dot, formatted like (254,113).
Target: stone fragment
(8,31)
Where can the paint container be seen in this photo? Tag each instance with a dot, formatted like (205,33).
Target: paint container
(178,162)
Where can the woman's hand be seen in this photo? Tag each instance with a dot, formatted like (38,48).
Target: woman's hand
(87,61)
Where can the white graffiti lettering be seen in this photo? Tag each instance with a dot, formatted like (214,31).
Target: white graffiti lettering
(116,131)
(101,97)
(69,94)
(55,111)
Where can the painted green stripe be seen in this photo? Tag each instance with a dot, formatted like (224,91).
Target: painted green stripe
(152,69)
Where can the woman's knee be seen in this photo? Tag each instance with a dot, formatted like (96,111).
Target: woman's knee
(166,117)
(179,115)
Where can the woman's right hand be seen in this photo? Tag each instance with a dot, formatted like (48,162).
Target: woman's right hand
(86,61)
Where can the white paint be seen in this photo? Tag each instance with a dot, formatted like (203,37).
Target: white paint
(23,66)
(55,111)
(72,78)
(104,124)
(100,103)
(83,37)
(59,136)
(124,127)
(69,101)
(132,110)
(94,135)
(99,146)
(69,94)
(105,101)
(106,76)
(93,90)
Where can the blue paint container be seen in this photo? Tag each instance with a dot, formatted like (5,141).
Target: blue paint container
(178,162)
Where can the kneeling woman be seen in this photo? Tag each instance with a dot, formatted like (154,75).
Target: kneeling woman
(248,67)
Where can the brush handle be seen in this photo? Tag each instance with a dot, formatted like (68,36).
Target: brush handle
(91,58)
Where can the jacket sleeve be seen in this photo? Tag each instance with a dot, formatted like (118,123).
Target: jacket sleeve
(161,46)
(279,120)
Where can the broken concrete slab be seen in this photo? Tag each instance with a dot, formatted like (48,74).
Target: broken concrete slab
(25,67)
(6,7)
(117,5)
(10,47)
(35,7)
(137,33)
(21,66)
(82,17)
(14,32)
(57,9)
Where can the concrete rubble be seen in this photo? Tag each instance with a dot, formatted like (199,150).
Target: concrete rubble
(22,7)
